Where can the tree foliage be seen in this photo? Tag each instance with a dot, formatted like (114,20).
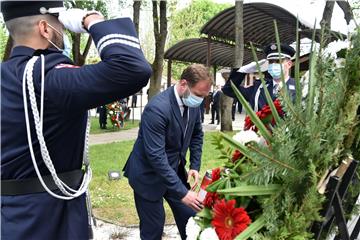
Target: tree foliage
(187,22)
(3,38)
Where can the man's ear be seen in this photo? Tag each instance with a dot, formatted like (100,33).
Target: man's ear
(182,82)
(290,63)
(44,29)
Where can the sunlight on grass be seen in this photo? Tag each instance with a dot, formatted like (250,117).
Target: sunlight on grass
(113,200)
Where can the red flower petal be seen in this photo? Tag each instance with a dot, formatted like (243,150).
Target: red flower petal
(210,199)
(236,155)
(215,174)
(229,221)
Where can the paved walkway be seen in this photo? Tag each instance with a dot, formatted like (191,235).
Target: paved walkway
(131,134)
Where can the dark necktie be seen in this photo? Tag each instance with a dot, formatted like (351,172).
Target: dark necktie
(185,115)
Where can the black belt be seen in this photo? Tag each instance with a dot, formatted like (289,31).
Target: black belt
(32,185)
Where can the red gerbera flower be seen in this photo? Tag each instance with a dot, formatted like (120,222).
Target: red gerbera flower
(229,221)
(210,199)
(236,155)
(278,107)
(215,174)
(248,123)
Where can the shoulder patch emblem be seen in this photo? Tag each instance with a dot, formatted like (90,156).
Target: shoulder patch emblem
(62,65)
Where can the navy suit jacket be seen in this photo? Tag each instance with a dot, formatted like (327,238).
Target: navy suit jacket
(69,92)
(155,164)
(250,93)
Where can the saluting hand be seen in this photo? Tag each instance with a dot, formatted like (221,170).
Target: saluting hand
(76,20)
(195,175)
(191,200)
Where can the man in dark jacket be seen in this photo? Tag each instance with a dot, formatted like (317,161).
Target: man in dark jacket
(45,100)
(170,125)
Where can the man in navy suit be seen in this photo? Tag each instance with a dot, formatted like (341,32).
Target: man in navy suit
(45,100)
(255,94)
(170,125)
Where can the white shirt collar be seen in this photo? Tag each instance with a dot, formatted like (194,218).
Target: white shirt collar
(178,99)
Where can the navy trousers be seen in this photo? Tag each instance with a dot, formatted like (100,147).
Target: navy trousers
(152,216)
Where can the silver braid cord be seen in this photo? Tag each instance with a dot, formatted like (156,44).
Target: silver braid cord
(28,76)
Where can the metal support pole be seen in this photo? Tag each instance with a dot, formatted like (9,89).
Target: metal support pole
(208,57)
(169,73)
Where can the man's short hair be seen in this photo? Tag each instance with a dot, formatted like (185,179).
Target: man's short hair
(195,73)
(22,27)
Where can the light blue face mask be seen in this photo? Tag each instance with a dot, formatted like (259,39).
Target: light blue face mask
(67,46)
(275,70)
(192,100)
(66,42)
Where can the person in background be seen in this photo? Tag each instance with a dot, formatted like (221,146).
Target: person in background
(202,111)
(215,105)
(47,98)
(102,116)
(170,125)
(134,101)
(255,94)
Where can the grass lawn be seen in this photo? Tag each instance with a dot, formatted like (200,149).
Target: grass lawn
(95,127)
(113,200)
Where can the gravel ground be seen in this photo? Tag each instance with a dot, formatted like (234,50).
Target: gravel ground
(107,231)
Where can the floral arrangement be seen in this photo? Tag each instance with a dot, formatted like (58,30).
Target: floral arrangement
(117,114)
(225,217)
(267,186)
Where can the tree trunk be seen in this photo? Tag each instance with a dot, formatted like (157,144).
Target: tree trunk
(345,6)
(327,14)
(78,57)
(225,112)
(226,102)
(136,16)
(9,45)
(239,34)
(160,32)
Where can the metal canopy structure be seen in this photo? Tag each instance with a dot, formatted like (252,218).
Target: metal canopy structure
(218,48)
(197,49)
(259,25)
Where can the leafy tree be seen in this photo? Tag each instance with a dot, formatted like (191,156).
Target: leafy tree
(3,39)
(186,23)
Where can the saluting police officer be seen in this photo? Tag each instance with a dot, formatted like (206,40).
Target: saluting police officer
(255,94)
(44,103)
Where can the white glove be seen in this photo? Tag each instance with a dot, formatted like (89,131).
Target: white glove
(72,19)
(251,67)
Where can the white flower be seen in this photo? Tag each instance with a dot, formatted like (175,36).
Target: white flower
(111,112)
(209,234)
(244,137)
(192,229)
(335,46)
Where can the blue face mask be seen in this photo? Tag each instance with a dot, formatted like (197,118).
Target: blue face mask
(275,70)
(67,46)
(192,100)
(66,42)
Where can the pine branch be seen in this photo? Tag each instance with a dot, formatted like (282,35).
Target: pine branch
(251,147)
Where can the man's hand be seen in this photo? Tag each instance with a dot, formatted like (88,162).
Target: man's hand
(191,200)
(77,20)
(195,175)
